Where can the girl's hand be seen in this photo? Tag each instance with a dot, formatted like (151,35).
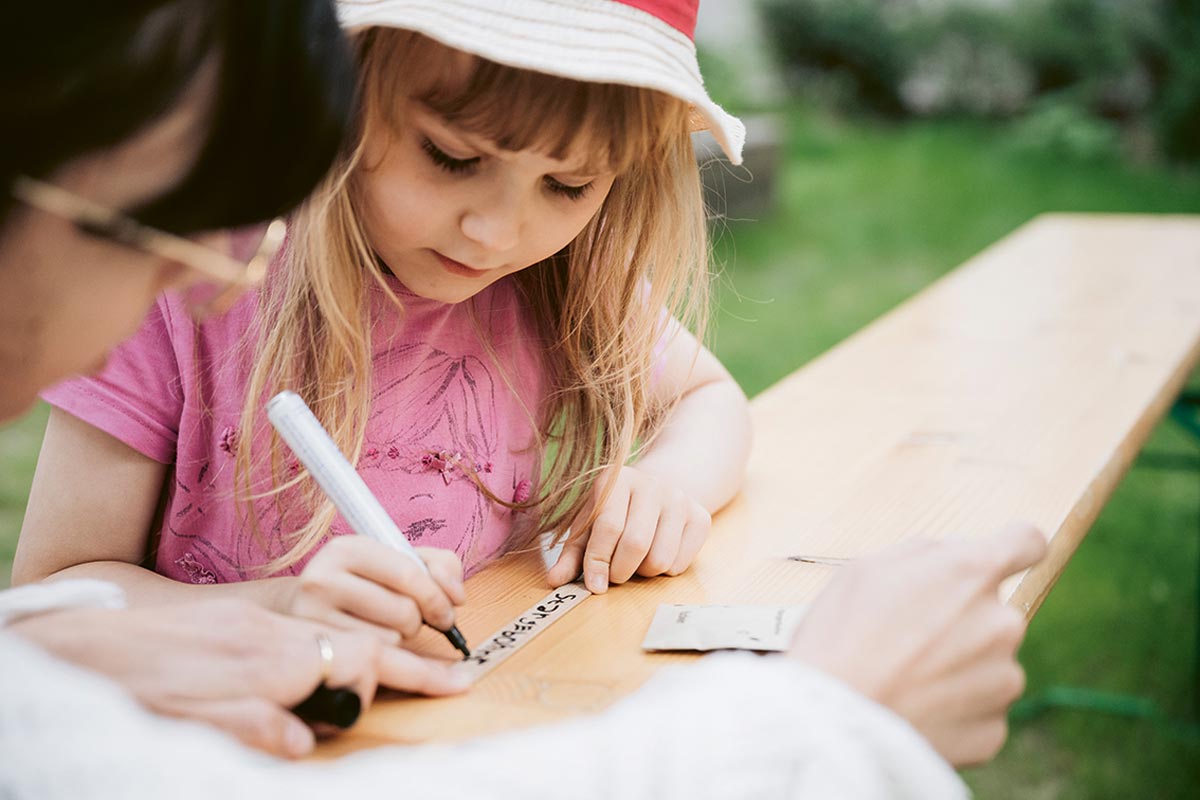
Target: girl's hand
(356,583)
(647,526)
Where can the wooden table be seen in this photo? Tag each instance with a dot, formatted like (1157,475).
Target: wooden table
(1021,385)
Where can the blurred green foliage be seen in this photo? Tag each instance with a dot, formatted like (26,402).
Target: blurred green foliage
(847,40)
(1132,65)
(1064,128)
(1177,114)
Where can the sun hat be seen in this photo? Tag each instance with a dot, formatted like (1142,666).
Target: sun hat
(645,43)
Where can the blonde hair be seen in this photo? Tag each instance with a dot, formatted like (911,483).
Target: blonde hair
(598,304)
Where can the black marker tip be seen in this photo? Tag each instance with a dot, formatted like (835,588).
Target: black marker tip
(460,643)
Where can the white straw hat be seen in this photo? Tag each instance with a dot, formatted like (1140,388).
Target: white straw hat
(647,43)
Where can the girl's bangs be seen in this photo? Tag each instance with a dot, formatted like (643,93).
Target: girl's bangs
(518,109)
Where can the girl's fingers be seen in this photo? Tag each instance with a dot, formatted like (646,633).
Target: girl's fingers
(570,559)
(641,521)
(405,577)
(635,532)
(603,539)
(695,533)
(370,602)
(447,571)
(664,550)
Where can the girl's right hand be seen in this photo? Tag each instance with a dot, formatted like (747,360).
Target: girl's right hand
(356,583)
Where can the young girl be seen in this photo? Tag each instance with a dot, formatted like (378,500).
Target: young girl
(487,303)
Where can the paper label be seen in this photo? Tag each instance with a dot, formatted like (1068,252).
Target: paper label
(683,627)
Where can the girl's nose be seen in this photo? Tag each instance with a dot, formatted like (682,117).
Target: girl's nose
(494,225)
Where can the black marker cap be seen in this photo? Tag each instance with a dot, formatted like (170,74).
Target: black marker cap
(338,707)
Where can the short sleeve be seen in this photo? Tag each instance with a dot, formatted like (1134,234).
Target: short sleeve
(138,396)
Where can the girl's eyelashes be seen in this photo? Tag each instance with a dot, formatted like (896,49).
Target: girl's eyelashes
(455,166)
(569,192)
(460,166)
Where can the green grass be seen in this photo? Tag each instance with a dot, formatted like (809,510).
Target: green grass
(867,216)
(19,444)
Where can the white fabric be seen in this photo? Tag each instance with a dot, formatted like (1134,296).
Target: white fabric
(599,41)
(734,726)
(39,598)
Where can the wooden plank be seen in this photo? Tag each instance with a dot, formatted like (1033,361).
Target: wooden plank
(1021,385)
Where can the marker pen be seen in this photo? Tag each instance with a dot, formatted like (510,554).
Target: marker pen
(296,423)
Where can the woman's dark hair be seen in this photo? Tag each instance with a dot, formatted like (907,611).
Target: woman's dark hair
(81,76)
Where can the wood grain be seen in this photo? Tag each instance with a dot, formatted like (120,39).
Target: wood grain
(1021,385)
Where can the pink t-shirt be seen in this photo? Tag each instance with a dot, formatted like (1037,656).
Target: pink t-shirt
(174,393)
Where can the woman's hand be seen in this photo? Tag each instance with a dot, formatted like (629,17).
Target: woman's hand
(920,629)
(647,526)
(230,663)
(358,584)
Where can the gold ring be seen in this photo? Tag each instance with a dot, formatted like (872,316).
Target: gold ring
(326,648)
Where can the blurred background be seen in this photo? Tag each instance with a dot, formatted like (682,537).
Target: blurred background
(890,140)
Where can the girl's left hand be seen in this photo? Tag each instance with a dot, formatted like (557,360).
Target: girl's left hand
(647,526)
